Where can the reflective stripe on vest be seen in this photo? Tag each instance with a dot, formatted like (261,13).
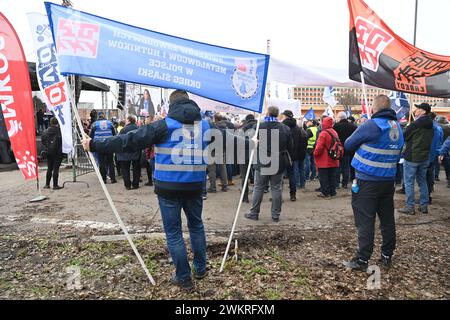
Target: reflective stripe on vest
(312,140)
(180,158)
(380,159)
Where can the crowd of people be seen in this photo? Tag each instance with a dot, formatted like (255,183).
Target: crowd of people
(370,155)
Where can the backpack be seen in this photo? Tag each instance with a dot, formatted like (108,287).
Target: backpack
(336,150)
(54,144)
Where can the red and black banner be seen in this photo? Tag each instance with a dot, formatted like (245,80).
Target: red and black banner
(390,62)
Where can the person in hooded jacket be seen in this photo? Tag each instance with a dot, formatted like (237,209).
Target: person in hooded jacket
(178,184)
(299,144)
(52,141)
(327,166)
(130,159)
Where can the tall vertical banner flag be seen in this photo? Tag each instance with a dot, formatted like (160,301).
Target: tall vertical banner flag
(52,84)
(387,61)
(94,46)
(16,100)
(310,115)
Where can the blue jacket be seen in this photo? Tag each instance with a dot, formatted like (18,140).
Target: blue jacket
(436,143)
(445,148)
(369,134)
(184,111)
(102,129)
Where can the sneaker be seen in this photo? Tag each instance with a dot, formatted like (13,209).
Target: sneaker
(57,188)
(276,219)
(407,210)
(423,209)
(224,189)
(186,285)
(385,261)
(251,216)
(357,264)
(135,187)
(321,195)
(113,181)
(128,188)
(149,184)
(293,197)
(210,190)
(204,197)
(46,187)
(338,187)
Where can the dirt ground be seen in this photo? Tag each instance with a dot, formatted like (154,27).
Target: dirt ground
(298,258)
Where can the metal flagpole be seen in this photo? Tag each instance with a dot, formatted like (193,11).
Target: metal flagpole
(108,196)
(363,82)
(414,43)
(242,193)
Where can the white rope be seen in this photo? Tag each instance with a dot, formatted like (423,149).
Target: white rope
(242,196)
(108,196)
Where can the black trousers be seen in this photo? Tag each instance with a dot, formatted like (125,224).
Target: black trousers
(292,183)
(106,165)
(53,164)
(327,178)
(374,198)
(243,171)
(125,165)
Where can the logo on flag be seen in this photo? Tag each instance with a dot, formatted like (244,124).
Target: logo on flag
(244,79)
(372,40)
(77,38)
(310,115)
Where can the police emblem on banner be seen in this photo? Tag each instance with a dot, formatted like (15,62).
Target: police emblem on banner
(244,78)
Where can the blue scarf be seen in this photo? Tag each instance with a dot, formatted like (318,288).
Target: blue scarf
(270,119)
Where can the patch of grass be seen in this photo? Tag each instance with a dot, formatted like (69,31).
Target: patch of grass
(18,275)
(151,264)
(247,263)
(273,294)
(41,292)
(279,258)
(259,270)
(301,277)
(78,261)
(5,284)
(42,243)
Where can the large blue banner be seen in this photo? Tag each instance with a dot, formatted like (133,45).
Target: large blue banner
(94,46)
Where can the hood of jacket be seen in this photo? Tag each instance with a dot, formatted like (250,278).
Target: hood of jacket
(290,122)
(386,113)
(327,123)
(185,111)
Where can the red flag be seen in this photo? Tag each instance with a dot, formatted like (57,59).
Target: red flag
(16,100)
(363,106)
(390,62)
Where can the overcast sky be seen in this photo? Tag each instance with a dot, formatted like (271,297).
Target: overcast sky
(312,32)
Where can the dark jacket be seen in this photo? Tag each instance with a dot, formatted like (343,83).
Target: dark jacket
(344,129)
(418,138)
(48,135)
(184,111)
(265,147)
(128,156)
(299,141)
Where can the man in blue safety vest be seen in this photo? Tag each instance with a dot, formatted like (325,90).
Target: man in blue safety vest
(180,171)
(102,129)
(377,144)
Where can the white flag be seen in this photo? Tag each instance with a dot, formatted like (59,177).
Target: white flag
(328,112)
(53,85)
(329,96)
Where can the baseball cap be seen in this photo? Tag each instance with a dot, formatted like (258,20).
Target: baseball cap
(288,113)
(424,106)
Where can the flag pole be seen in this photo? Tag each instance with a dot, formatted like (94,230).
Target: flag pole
(105,190)
(363,82)
(241,198)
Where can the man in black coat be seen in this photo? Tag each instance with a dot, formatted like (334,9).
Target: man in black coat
(344,129)
(298,142)
(244,159)
(130,159)
(52,141)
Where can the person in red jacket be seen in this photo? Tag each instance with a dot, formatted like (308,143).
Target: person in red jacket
(326,165)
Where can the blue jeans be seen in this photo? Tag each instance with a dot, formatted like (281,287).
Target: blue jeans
(299,172)
(310,166)
(411,172)
(171,217)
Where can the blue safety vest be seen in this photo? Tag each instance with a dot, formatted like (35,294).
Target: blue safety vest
(380,159)
(181,157)
(103,129)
